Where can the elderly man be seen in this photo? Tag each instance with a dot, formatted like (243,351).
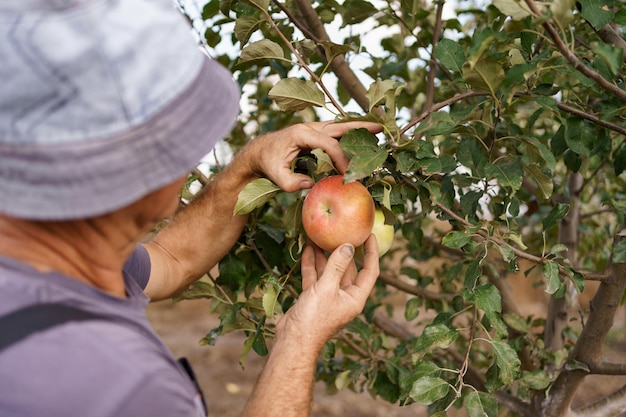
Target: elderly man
(105,107)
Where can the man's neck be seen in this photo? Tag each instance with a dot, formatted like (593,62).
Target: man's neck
(92,251)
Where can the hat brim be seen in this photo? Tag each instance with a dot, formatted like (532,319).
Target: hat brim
(101,176)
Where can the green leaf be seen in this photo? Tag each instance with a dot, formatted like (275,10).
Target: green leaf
(481,404)
(324,163)
(260,50)
(597,12)
(456,239)
(485,76)
(545,185)
(619,160)
(580,136)
(508,173)
(197,290)
(551,272)
(557,214)
(488,299)
(429,389)
(331,50)
(295,94)
(270,300)
(262,5)
(385,388)
(517,9)
(472,154)
(435,336)
(509,365)
(378,92)
(245,26)
(507,253)
(611,55)
(254,195)
(247,347)
(450,54)
(516,322)
(619,252)
(536,380)
(412,309)
(356,11)
(361,147)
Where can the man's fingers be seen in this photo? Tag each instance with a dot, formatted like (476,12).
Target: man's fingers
(337,265)
(308,268)
(337,129)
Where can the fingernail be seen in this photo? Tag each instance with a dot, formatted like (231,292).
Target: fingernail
(347,250)
(306,184)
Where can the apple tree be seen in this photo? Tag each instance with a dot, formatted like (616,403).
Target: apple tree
(502,158)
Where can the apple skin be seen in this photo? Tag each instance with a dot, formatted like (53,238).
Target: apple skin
(384,232)
(334,213)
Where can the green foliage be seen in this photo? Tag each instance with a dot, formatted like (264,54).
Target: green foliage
(503,135)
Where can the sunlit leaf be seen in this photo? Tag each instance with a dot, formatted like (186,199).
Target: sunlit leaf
(481,404)
(261,50)
(245,26)
(270,301)
(517,9)
(509,364)
(456,239)
(255,195)
(295,94)
(436,336)
(551,272)
(324,163)
(365,155)
(429,389)
(485,76)
(450,54)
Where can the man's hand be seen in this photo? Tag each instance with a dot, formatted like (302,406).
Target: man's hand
(272,155)
(333,292)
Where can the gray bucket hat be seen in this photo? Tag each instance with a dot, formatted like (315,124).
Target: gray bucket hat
(101,103)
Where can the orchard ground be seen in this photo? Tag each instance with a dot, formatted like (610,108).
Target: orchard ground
(227,385)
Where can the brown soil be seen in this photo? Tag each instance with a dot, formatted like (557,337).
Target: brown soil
(226,385)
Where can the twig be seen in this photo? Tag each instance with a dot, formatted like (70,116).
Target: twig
(573,59)
(414,290)
(459,97)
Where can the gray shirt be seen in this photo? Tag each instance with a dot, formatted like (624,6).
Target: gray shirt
(96,368)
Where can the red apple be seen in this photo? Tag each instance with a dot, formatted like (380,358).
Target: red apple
(334,213)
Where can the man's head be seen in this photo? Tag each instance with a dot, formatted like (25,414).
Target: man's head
(102,103)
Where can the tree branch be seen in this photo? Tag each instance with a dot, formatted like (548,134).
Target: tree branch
(607,368)
(414,290)
(588,348)
(610,406)
(339,66)
(573,59)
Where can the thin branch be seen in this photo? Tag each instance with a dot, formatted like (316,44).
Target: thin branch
(414,290)
(439,106)
(592,118)
(518,252)
(391,327)
(607,368)
(338,65)
(573,59)
(311,73)
(610,406)
(432,72)
(588,347)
